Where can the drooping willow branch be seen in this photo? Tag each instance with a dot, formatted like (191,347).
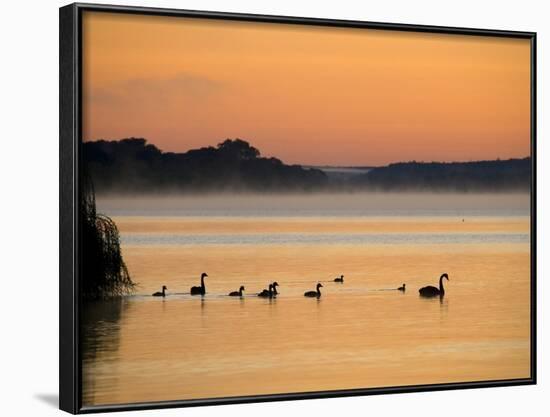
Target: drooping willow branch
(104,273)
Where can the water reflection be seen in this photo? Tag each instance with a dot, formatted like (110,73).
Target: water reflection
(365,332)
(100,342)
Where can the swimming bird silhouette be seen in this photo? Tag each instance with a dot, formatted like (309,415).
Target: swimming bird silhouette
(341,279)
(161,293)
(316,293)
(275,285)
(401,288)
(237,293)
(267,293)
(431,291)
(202,289)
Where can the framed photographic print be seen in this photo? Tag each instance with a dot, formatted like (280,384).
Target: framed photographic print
(260,208)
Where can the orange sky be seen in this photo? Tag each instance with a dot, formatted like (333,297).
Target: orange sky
(311,95)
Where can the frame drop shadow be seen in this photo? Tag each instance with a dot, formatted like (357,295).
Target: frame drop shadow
(49,399)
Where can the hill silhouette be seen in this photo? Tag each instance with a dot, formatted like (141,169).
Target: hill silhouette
(134,166)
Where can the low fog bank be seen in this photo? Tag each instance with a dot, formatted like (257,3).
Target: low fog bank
(317,204)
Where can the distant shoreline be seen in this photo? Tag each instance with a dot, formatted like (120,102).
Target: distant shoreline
(130,166)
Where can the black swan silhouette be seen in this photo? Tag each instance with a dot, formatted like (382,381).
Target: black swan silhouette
(431,291)
(267,293)
(237,293)
(401,288)
(202,289)
(316,293)
(161,293)
(341,279)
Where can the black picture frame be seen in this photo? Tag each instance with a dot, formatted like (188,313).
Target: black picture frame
(70,123)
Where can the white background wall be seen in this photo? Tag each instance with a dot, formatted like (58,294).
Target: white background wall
(29,208)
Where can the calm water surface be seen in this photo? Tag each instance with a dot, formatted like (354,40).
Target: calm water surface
(362,333)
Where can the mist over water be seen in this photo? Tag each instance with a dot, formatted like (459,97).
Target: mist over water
(359,334)
(319,204)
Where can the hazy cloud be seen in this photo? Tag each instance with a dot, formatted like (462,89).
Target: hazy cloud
(160,91)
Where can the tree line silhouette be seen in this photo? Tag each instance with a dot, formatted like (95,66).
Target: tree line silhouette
(134,166)
(511,174)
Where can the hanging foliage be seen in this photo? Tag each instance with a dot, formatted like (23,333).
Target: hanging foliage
(103,268)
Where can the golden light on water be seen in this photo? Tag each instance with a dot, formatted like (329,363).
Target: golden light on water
(362,333)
